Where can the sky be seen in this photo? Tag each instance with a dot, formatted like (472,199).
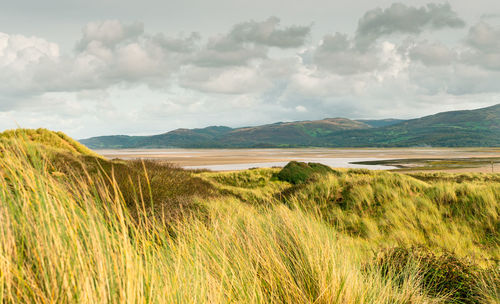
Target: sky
(101,67)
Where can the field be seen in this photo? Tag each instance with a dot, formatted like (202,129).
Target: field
(78,228)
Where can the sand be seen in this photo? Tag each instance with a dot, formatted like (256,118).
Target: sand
(208,157)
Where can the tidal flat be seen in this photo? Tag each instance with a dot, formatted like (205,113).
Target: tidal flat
(485,160)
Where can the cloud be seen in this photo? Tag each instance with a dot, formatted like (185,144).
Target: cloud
(248,41)
(485,43)
(403,19)
(484,37)
(458,79)
(109,33)
(267,33)
(109,53)
(18,51)
(345,56)
(235,80)
(337,54)
(431,53)
(178,44)
(300,108)
(222,51)
(19,55)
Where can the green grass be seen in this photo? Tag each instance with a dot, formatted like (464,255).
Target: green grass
(80,229)
(421,164)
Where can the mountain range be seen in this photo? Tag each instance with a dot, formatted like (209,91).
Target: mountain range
(467,128)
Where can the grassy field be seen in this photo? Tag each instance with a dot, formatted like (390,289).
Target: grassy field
(76,228)
(439,164)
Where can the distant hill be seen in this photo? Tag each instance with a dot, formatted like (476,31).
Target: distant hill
(469,128)
(479,127)
(299,133)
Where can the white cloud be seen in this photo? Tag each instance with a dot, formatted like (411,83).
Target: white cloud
(301,109)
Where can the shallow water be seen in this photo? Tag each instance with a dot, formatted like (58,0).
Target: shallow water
(240,159)
(332,162)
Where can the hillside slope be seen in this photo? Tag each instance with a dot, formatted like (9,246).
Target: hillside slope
(376,123)
(479,127)
(301,133)
(179,138)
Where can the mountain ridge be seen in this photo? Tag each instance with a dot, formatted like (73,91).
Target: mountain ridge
(479,127)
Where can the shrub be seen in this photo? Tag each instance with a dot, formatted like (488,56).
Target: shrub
(298,172)
(441,274)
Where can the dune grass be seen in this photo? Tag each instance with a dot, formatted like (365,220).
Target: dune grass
(77,239)
(50,140)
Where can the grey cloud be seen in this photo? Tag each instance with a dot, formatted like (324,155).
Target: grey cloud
(256,78)
(484,37)
(178,44)
(337,54)
(489,61)
(267,33)
(456,80)
(403,19)
(432,54)
(109,33)
(335,43)
(485,43)
(248,41)
(222,51)
(490,16)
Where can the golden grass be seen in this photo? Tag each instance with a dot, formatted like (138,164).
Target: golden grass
(71,239)
(49,140)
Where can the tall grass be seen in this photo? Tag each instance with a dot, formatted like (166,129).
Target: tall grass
(72,239)
(48,139)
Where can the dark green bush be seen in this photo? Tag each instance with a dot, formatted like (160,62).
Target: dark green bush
(298,172)
(441,274)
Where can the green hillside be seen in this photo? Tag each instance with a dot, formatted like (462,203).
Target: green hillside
(449,129)
(180,138)
(303,133)
(376,123)
(300,133)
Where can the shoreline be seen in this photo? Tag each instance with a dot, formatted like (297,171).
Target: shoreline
(241,158)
